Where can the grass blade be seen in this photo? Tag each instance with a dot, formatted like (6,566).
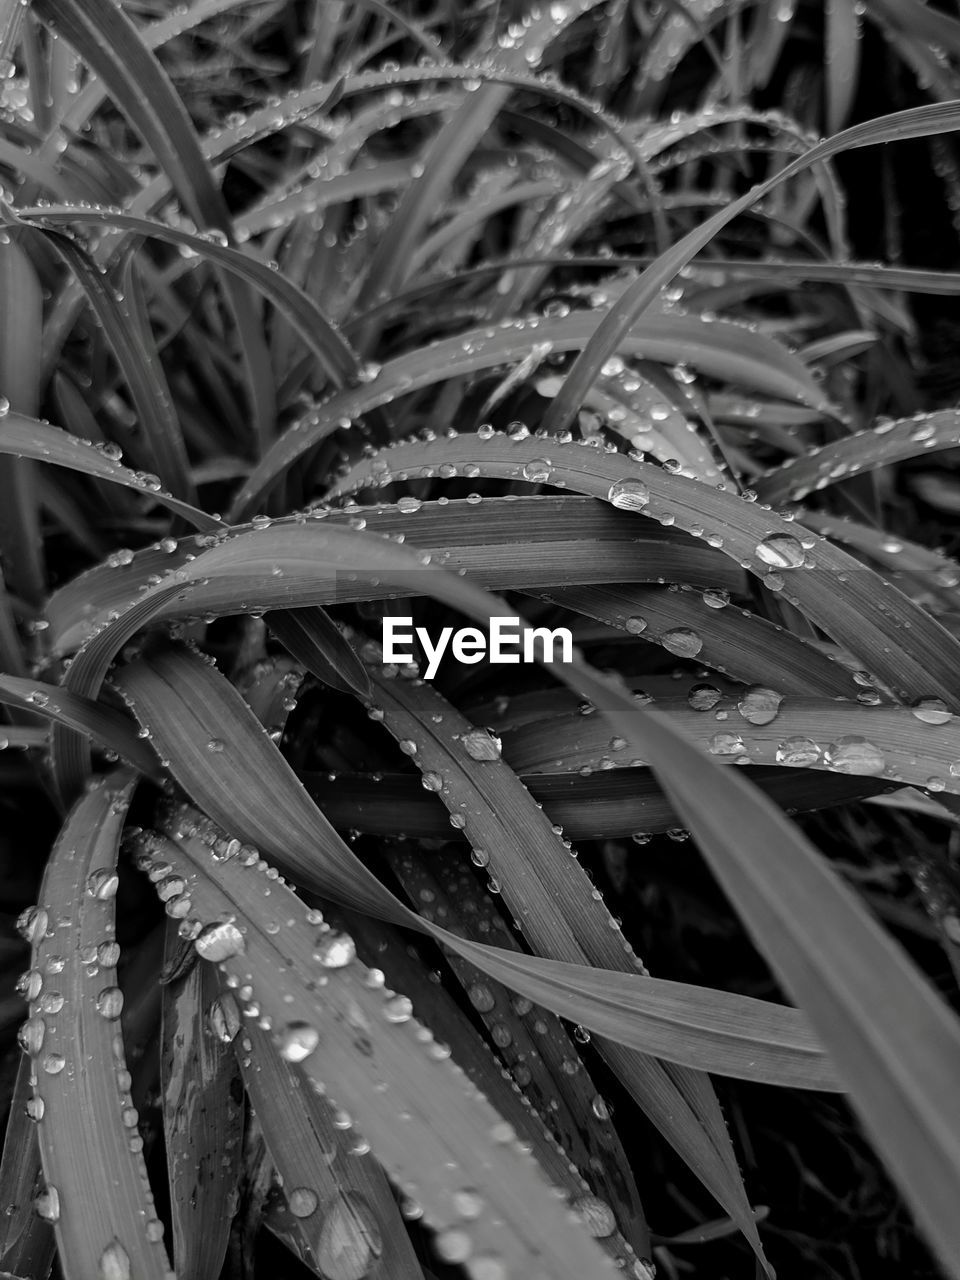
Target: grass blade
(21,324)
(97,1194)
(517,1219)
(918,122)
(202,1120)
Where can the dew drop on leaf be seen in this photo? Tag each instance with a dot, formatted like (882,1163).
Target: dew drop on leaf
(798,752)
(31,1034)
(780,551)
(629,495)
(301,1202)
(704,697)
(47,1204)
(110,1002)
(220,941)
(759,705)
(297,1041)
(537,470)
(350,1240)
(932,711)
(854,755)
(103,884)
(596,1215)
(480,744)
(224,1018)
(453,1245)
(398,1009)
(334,950)
(682,641)
(115,1262)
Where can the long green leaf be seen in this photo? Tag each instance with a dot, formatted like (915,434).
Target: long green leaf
(918,122)
(97,1194)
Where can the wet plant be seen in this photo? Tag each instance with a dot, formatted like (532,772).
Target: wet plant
(320,314)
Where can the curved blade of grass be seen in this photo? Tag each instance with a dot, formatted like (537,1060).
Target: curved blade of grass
(452,1027)
(732,640)
(110,728)
(531,1042)
(881,446)
(98,1194)
(25,437)
(106,38)
(123,320)
(157,410)
(601,806)
(21,326)
(722,350)
(842,54)
(202,1120)
(330,1188)
(315,640)
(893,742)
(27,1242)
(518,1220)
(538,549)
(902,645)
(187,706)
(918,122)
(894,1042)
(448,152)
(300,311)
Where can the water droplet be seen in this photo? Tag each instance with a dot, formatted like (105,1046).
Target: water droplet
(704,697)
(799,753)
(481,744)
(409,505)
(53,1063)
(596,1215)
(224,1018)
(398,1009)
(932,711)
(682,641)
(759,705)
(215,745)
(220,941)
(334,950)
(31,1034)
(110,1002)
(47,1204)
(453,1246)
(854,755)
(716,599)
(600,1108)
(726,744)
(481,997)
(350,1239)
(115,1263)
(629,495)
(636,625)
(301,1202)
(432,782)
(297,1041)
(103,884)
(468,1204)
(780,551)
(537,470)
(32,924)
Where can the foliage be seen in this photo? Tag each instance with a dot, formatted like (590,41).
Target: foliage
(316,312)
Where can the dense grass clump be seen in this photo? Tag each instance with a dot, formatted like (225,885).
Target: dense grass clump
(634,320)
